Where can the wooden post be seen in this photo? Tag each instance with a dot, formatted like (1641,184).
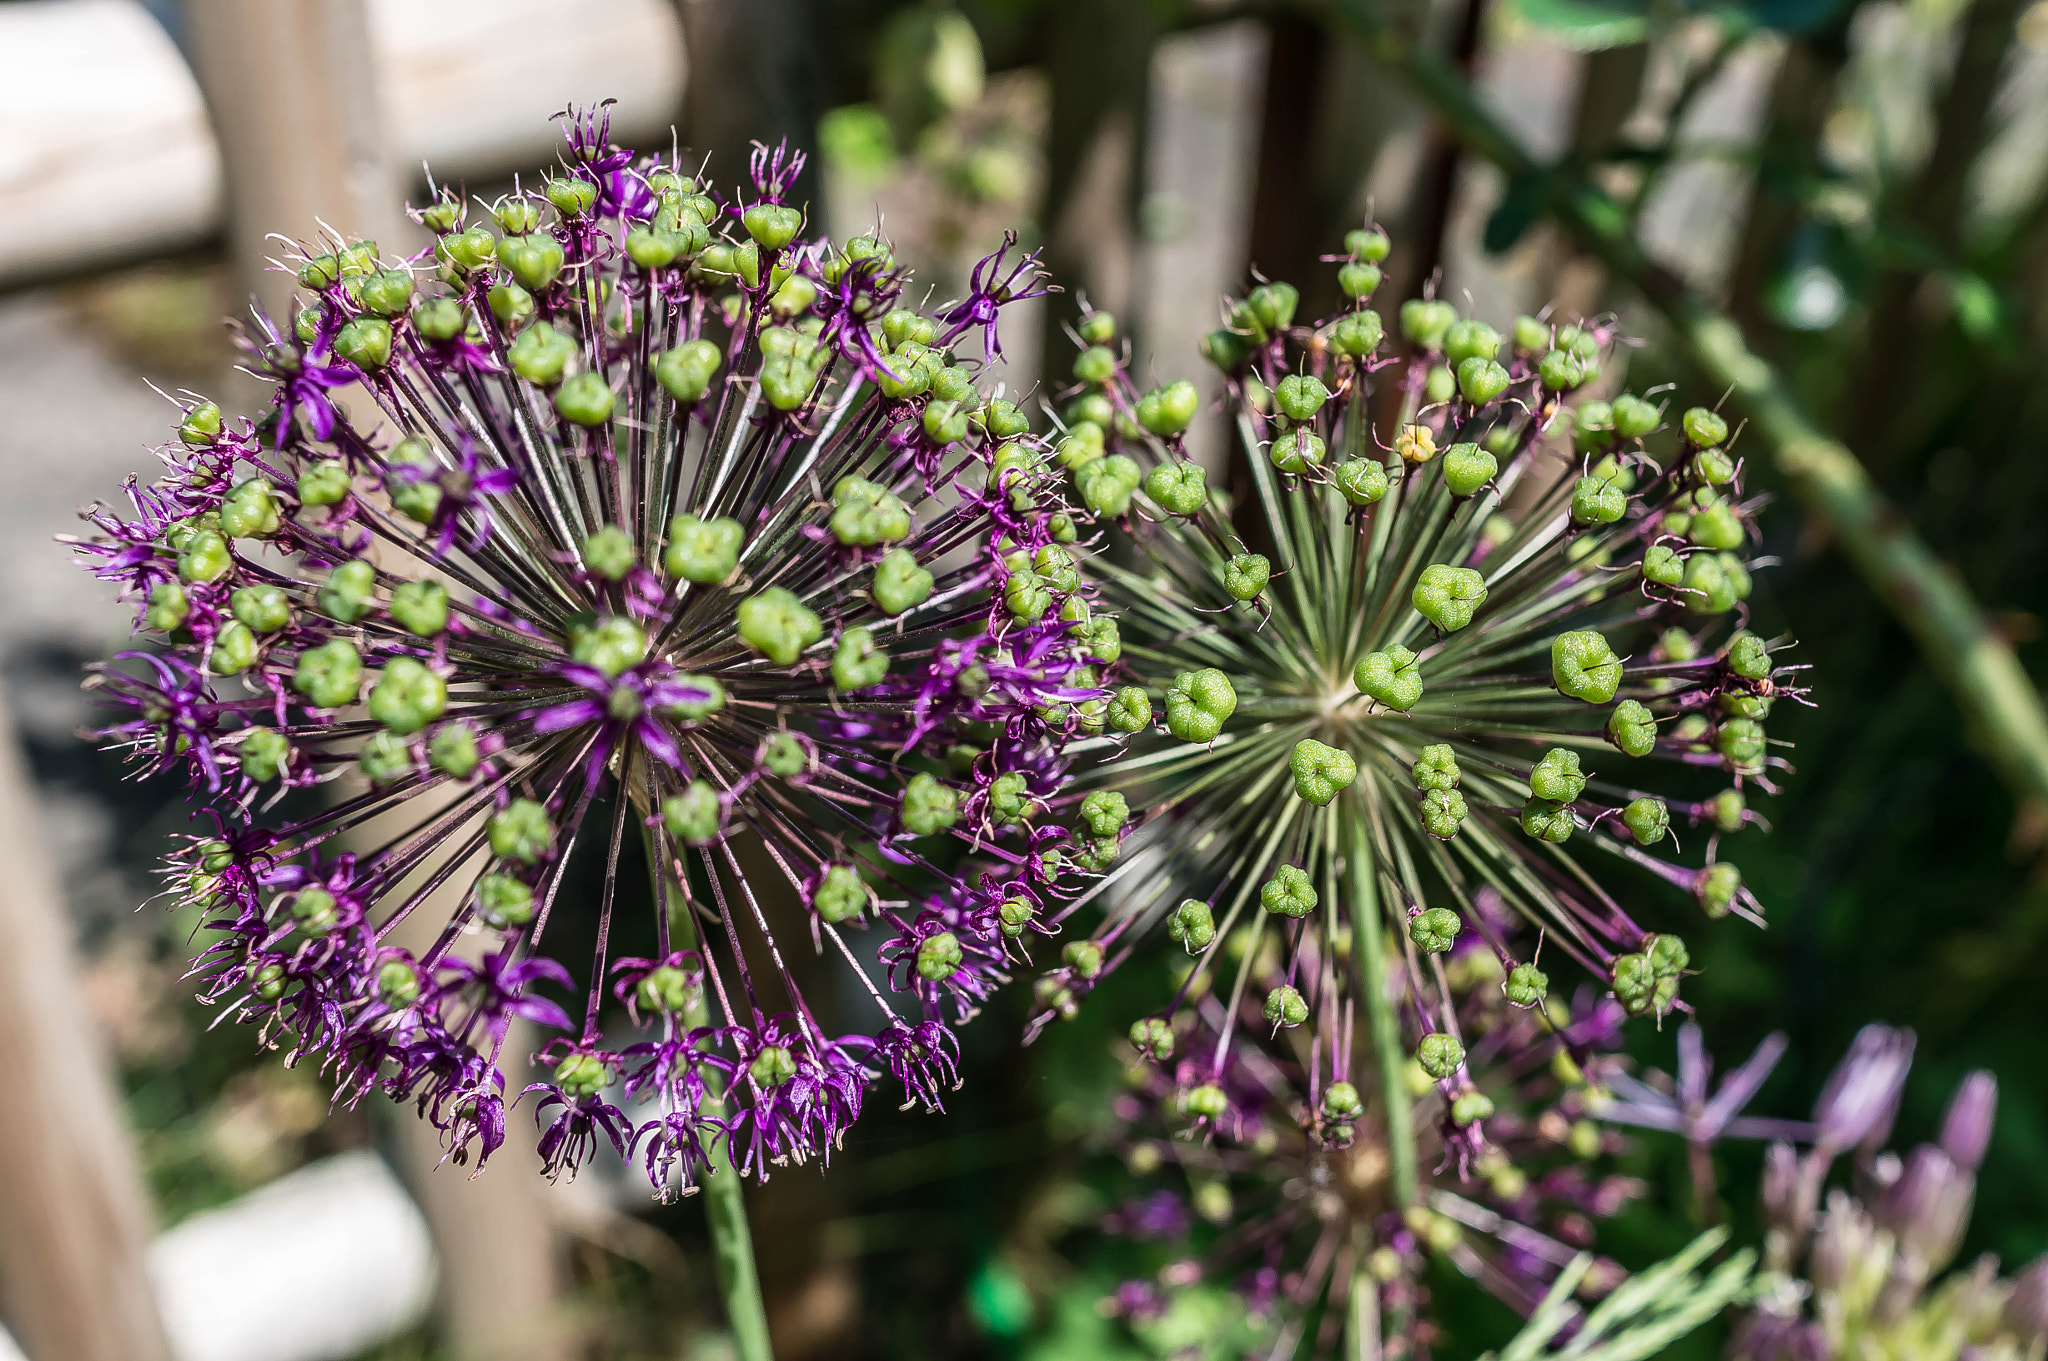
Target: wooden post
(293,97)
(74,1219)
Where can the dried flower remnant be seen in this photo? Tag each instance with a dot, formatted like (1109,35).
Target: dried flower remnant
(644,516)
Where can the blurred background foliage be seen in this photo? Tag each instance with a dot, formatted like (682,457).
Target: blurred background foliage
(1859,183)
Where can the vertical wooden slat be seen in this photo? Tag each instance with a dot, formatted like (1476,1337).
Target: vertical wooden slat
(74,1218)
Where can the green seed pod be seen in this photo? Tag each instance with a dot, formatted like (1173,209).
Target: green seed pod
(1467,338)
(168,606)
(1481,381)
(1321,772)
(945,422)
(612,643)
(1714,467)
(364,342)
(204,558)
(1193,925)
(1747,656)
(1198,704)
(1080,447)
(251,510)
(1341,1101)
(452,750)
(1741,740)
(1662,565)
(1439,385)
(1717,887)
(503,900)
(608,553)
(694,817)
(1392,678)
(1717,525)
(585,400)
(1531,336)
(1704,429)
(510,304)
(1206,1102)
(706,552)
(1298,450)
(1632,728)
(1436,768)
(387,292)
(1728,809)
(1440,1055)
(1449,596)
(1425,324)
(1009,799)
(1467,468)
(1015,916)
(1634,417)
(234,649)
(385,758)
(1358,279)
(265,609)
(1178,488)
(1107,485)
(521,831)
(1246,574)
(1152,1036)
(1269,307)
(900,584)
(1358,335)
(1100,638)
(1526,986)
(779,625)
(1584,667)
(348,590)
(772,225)
(1300,396)
(1706,586)
(1435,931)
(687,370)
(1025,596)
(321,272)
(702,697)
(1560,371)
(858,663)
(1084,957)
(1288,893)
(324,484)
(201,426)
(1443,812)
(1104,812)
(1469,1108)
(408,696)
(439,319)
(1285,1007)
(1547,821)
(264,753)
(1361,481)
(1647,820)
(1595,500)
(1097,328)
(1226,349)
(1130,710)
(541,354)
(841,896)
(1096,365)
(1557,776)
(329,675)
(1055,567)
(1369,244)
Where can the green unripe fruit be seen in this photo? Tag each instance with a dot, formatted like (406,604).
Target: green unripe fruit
(1597,501)
(1448,596)
(858,663)
(1298,450)
(398,982)
(1004,420)
(1107,484)
(1467,468)
(771,1067)
(1358,335)
(1288,893)
(1741,740)
(1152,1036)
(465,251)
(1285,1007)
(1104,813)
(1747,656)
(585,400)
(1436,768)
(266,609)
(1662,565)
(1440,1055)
(1097,328)
(234,649)
(201,426)
(1369,244)
(1226,349)
(1245,575)
(1321,772)
(1469,1108)
(1647,820)
(695,816)
(938,957)
(324,484)
(1634,417)
(865,515)
(1481,381)
(1361,481)
(703,551)
(1729,810)
(1015,916)
(778,625)
(521,831)
(503,900)
(1547,821)
(264,753)
(1009,799)
(387,292)
(900,584)
(1096,365)
(1717,526)
(1269,308)
(1300,396)
(541,354)
(1084,957)
(1704,429)
(1178,488)
(612,643)
(364,342)
(772,225)
(687,370)
(1424,324)
(1584,667)
(329,675)
(1080,447)
(1025,596)
(1435,931)
(1342,1102)
(928,806)
(1526,986)
(1707,586)
(439,319)
(1531,336)
(1207,1102)
(1193,925)
(385,758)
(608,553)
(205,558)
(251,510)
(1467,338)
(452,750)
(1392,678)
(408,696)
(1557,776)
(1198,704)
(841,895)
(1632,728)
(1130,710)
(700,697)
(1443,812)
(1717,887)
(1358,279)
(1714,467)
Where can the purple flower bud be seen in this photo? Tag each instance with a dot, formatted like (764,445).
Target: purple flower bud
(1928,1206)
(2026,1308)
(1966,1129)
(1861,1098)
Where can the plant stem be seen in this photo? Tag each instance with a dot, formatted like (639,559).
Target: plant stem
(1368,941)
(725,1204)
(2004,719)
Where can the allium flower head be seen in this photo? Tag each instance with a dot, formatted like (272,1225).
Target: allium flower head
(624,512)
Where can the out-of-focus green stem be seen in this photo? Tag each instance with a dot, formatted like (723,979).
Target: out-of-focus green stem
(2002,708)
(1368,938)
(725,1204)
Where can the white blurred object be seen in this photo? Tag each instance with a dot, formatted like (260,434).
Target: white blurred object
(8,1351)
(106,154)
(316,1266)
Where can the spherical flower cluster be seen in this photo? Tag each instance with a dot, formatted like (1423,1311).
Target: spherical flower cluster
(625,514)
(1291,1210)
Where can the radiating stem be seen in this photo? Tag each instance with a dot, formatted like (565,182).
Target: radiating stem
(725,1204)
(1368,938)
